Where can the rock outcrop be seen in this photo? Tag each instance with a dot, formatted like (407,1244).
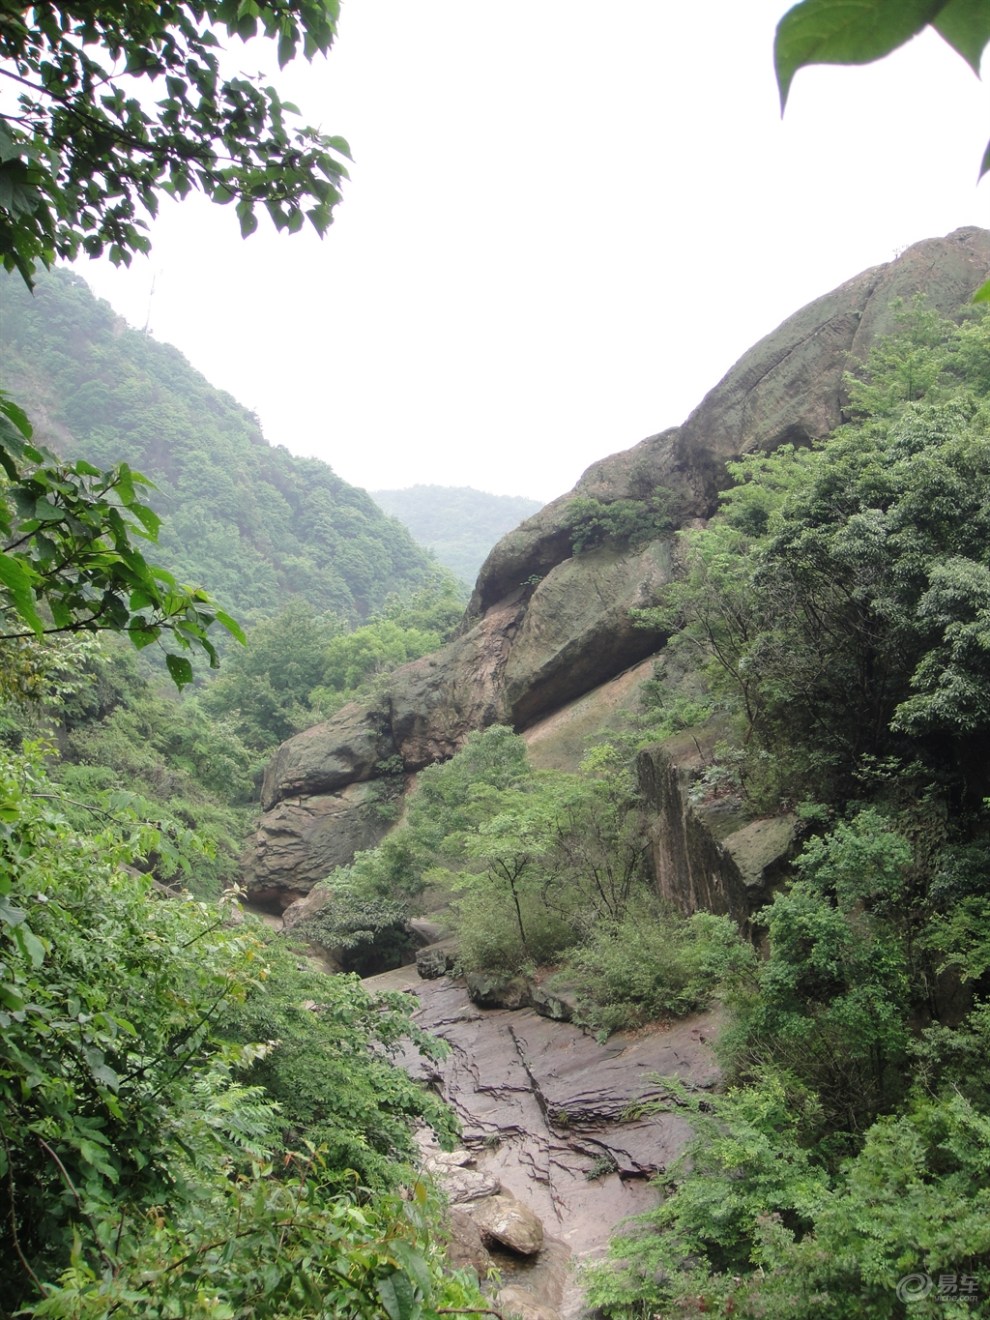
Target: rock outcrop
(703,856)
(545,1116)
(546,626)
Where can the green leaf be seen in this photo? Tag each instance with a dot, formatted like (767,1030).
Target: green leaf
(965,25)
(246,218)
(102,1072)
(148,519)
(45,511)
(29,944)
(180,669)
(124,485)
(18,580)
(398,1297)
(142,634)
(11,998)
(10,410)
(232,626)
(982,294)
(845,32)
(11,916)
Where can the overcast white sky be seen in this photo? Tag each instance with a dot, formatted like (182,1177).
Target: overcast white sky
(566,221)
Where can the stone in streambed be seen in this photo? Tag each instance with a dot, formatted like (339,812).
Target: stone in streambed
(508,1222)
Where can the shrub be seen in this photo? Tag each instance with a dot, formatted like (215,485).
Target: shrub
(654,963)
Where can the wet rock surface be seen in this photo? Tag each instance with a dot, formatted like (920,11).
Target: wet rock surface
(543,1111)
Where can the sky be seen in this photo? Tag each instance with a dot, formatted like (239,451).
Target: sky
(565,222)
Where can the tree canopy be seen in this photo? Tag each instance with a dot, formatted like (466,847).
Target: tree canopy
(69,562)
(838,606)
(118,103)
(86,152)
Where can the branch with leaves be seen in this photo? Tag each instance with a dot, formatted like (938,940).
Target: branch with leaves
(69,562)
(87,153)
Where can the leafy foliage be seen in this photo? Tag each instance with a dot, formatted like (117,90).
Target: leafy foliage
(300,668)
(542,868)
(836,32)
(652,963)
(190,1125)
(837,604)
(156,1157)
(89,151)
(752,1225)
(837,600)
(622,523)
(69,563)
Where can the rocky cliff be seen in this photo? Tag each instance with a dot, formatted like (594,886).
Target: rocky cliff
(546,627)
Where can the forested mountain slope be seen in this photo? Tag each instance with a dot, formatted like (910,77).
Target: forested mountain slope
(254,524)
(460,525)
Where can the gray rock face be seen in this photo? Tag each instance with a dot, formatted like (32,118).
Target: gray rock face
(465,1249)
(577,631)
(543,1111)
(302,839)
(788,387)
(522,1303)
(545,627)
(341,751)
(698,864)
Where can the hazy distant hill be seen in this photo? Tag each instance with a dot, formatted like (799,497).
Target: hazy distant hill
(458,524)
(248,521)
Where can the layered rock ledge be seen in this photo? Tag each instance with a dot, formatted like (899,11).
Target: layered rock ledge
(544,1111)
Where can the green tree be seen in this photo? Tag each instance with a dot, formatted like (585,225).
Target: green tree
(265,689)
(89,150)
(751,1225)
(839,599)
(835,992)
(189,1124)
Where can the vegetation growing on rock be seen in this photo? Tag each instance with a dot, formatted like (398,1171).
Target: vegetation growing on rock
(836,605)
(541,869)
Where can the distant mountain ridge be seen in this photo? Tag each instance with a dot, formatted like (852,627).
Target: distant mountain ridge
(250,522)
(459,524)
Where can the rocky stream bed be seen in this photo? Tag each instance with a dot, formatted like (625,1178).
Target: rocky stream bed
(543,1109)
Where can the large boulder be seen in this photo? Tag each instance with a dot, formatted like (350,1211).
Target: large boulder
(508,1223)
(545,626)
(301,839)
(787,388)
(578,631)
(708,858)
